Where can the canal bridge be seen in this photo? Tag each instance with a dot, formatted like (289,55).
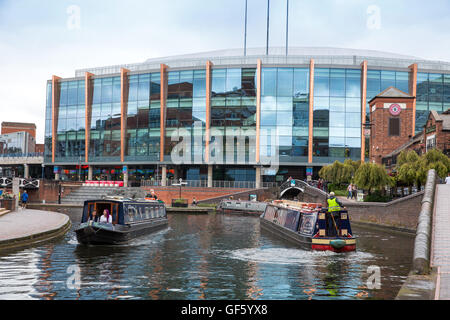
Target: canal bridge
(301,190)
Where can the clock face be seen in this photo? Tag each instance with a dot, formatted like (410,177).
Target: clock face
(395,109)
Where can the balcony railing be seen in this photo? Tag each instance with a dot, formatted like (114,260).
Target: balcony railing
(22,155)
(215,184)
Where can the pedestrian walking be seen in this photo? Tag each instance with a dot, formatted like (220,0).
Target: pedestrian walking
(354,192)
(349,190)
(24,199)
(447,180)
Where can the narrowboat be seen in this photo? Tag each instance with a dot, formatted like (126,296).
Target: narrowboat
(130,218)
(241,207)
(310,226)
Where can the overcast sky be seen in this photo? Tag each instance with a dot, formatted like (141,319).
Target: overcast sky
(41,38)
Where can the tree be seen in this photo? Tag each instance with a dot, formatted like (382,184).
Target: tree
(408,167)
(371,176)
(338,172)
(413,169)
(436,160)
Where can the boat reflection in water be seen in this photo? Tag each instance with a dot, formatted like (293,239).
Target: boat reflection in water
(130,219)
(309,225)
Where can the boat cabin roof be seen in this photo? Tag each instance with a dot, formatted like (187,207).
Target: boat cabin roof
(123,200)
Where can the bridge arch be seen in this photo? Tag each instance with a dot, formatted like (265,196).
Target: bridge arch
(290,186)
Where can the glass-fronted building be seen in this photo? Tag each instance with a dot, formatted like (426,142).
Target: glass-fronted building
(222,116)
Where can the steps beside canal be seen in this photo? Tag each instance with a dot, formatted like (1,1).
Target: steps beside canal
(84,193)
(3,211)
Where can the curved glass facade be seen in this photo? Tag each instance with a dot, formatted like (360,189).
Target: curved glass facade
(235,91)
(285,112)
(143,117)
(337,115)
(70,139)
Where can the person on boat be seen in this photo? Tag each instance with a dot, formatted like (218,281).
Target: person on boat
(106,217)
(152,195)
(194,201)
(93,216)
(333,216)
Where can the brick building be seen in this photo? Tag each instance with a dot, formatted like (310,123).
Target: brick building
(435,135)
(12,127)
(391,117)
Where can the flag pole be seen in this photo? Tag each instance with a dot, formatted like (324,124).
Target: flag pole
(267,38)
(245,32)
(287,26)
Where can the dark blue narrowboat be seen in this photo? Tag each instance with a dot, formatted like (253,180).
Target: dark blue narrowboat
(310,226)
(130,219)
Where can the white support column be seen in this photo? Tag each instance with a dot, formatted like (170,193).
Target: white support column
(210,176)
(258,177)
(164,176)
(58,175)
(26,171)
(125,179)
(90,173)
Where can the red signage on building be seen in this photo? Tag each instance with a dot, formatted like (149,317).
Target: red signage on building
(395,109)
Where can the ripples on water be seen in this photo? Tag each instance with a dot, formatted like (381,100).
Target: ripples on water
(205,257)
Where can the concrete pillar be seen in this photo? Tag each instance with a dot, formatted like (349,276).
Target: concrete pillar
(26,171)
(125,179)
(175,173)
(210,176)
(90,173)
(58,174)
(258,177)
(125,176)
(164,176)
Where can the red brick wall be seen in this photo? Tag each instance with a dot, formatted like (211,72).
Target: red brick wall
(18,127)
(442,137)
(48,191)
(166,194)
(402,213)
(381,144)
(39,147)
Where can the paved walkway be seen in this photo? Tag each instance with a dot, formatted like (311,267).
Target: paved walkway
(440,250)
(28,226)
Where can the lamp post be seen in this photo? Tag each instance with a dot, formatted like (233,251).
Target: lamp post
(180,183)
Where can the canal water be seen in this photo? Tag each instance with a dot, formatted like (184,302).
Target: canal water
(207,257)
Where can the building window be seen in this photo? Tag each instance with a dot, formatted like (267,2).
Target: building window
(431,142)
(394,127)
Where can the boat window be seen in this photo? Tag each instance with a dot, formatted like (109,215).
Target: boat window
(87,212)
(308,223)
(270,213)
(131,213)
(147,212)
(281,216)
(115,215)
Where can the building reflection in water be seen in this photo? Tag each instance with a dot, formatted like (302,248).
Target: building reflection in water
(45,285)
(19,274)
(101,269)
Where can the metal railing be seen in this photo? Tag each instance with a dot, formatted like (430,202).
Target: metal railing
(22,155)
(215,184)
(23,183)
